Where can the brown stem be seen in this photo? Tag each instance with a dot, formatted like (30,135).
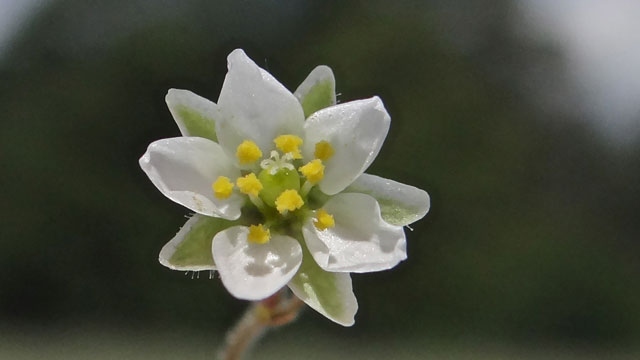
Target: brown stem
(277,310)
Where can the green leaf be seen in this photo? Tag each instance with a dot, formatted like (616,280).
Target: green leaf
(400,204)
(190,249)
(194,114)
(330,294)
(317,91)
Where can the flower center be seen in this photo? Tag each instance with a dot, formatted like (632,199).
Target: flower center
(276,190)
(276,163)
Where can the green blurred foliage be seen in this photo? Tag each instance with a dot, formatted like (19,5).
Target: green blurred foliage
(532,232)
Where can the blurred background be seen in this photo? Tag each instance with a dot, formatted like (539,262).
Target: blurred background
(520,118)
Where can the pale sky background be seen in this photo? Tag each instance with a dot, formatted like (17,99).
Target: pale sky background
(600,40)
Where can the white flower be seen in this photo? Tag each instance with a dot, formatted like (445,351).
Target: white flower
(280,200)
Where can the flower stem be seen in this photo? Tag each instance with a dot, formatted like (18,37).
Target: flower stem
(277,310)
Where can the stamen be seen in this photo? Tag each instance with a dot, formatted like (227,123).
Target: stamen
(255,200)
(289,200)
(249,184)
(289,144)
(248,152)
(258,234)
(324,151)
(324,220)
(313,171)
(222,187)
(306,187)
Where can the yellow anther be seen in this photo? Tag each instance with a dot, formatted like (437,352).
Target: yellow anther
(258,234)
(324,220)
(289,144)
(313,171)
(323,151)
(289,200)
(248,152)
(249,184)
(222,187)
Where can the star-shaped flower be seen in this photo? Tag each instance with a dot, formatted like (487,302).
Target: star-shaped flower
(278,187)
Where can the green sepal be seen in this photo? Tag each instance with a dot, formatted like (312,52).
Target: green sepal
(317,91)
(400,204)
(319,97)
(396,213)
(190,249)
(194,114)
(329,293)
(196,124)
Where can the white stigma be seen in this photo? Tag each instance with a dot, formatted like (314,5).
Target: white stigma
(275,162)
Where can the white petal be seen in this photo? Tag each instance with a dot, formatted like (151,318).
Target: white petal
(400,204)
(329,293)
(190,249)
(356,131)
(184,168)
(255,271)
(317,91)
(255,106)
(360,241)
(194,114)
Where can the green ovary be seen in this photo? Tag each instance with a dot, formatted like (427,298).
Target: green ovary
(274,185)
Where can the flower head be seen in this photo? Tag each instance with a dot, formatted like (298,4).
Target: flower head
(277,182)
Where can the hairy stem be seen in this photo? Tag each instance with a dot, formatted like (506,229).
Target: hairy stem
(277,310)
